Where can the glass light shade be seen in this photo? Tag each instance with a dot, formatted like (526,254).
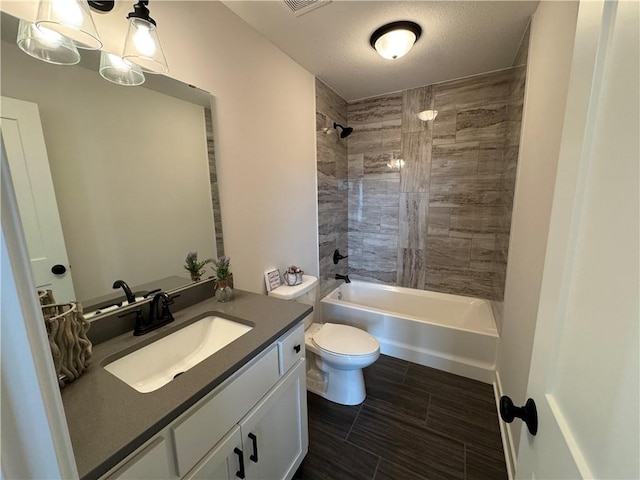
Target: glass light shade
(142,47)
(70,18)
(395,44)
(427,115)
(116,70)
(46,45)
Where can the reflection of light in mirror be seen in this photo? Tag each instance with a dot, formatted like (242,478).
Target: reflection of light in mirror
(427,115)
(143,41)
(68,12)
(396,164)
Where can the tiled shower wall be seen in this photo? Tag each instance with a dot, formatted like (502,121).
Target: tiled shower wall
(441,220)
(332,185)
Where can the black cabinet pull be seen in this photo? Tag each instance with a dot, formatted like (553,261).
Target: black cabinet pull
(239,473)
(254,439)
(528,413)
(296,348)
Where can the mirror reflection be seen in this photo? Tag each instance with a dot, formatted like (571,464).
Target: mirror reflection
(119,176)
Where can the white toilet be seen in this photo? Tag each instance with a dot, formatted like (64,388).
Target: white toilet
(336,354)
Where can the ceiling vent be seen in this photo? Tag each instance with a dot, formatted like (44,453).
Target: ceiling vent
(300,7)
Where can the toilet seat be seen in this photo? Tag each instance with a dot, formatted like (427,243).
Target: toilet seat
(345,340)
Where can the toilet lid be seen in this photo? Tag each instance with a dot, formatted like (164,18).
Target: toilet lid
(345,340)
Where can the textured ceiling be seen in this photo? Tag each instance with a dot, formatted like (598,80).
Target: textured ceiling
(459,38)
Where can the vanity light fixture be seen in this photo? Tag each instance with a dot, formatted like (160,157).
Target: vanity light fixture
(395,39)
(46,45)
(116,70)
(142,44)
(427,115)
(71,18)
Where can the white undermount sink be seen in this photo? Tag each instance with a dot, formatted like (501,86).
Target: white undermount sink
(156,364)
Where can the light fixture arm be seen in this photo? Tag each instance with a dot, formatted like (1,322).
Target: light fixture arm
(141,11)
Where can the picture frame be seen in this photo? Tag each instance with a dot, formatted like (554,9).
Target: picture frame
(272,279)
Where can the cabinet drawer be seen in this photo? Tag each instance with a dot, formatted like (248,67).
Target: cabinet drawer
(152,463)
(291,348)
(213,418)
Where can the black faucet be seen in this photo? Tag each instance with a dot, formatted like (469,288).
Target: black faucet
(127,291)
(159,314)
(343,277)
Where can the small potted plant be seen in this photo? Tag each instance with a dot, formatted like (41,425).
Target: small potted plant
(195,267)
(293,275)
(221,268)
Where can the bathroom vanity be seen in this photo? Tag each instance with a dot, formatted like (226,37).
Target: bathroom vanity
(240,413)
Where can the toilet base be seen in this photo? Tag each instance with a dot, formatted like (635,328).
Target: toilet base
(345,387)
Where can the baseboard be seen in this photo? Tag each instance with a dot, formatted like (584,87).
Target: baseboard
(505,432)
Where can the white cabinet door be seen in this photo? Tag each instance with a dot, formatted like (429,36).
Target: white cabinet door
(151,463)
(274,434)
(224,462)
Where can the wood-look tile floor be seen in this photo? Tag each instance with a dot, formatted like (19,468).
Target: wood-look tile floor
(416,423)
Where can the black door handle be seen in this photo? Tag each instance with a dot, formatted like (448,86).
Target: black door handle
(239,473)
(254,440)
(528,413)
(296,348)
(58,269)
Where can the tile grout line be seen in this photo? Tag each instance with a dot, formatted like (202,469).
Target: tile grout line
(375,472)
(464,462)
(346,439)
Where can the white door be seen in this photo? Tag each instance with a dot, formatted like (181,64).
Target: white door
(27,156)
(584,373)
(225,461)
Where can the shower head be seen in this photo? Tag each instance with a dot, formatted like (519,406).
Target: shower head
(346,131)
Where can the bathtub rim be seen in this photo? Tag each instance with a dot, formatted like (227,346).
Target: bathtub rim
(330,299)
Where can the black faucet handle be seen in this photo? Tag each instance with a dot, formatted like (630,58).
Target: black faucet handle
(337,257)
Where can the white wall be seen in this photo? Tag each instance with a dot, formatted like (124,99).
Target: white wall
(550,50)
(265,129)
(130,170)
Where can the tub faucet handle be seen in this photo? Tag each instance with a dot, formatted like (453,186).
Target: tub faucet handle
(337,257)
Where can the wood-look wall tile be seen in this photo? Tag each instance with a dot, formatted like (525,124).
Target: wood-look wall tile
(491,158)
(364,111)
(415,101)
(368,220)
(485,122)
(365,138)
(464,281)
(454,160)
(466,221)
(472,91)
(444,127)
(414,209)
(386,277)
(438,221)
(484,249)
(376,162)
(330,103)
(411,268)
(466,191)
(447,252)
(389,220)
(391,134)
(416,153)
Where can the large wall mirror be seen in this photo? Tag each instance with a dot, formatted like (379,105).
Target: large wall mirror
(132,168)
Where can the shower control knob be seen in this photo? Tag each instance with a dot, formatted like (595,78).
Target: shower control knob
(337,257)
(58,269)
(528,413)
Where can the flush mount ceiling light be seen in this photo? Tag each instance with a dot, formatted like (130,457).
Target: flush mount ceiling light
(427,115)
(116,70)
(46,45)
(395,39)
(70,18)
(142,44)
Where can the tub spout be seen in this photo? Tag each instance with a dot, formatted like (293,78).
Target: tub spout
(343,277)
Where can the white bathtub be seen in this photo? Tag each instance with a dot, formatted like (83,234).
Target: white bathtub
(448,332)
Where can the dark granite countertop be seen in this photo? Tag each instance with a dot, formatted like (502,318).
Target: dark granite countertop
(108,419)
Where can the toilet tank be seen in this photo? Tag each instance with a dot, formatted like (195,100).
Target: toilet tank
(305,293)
